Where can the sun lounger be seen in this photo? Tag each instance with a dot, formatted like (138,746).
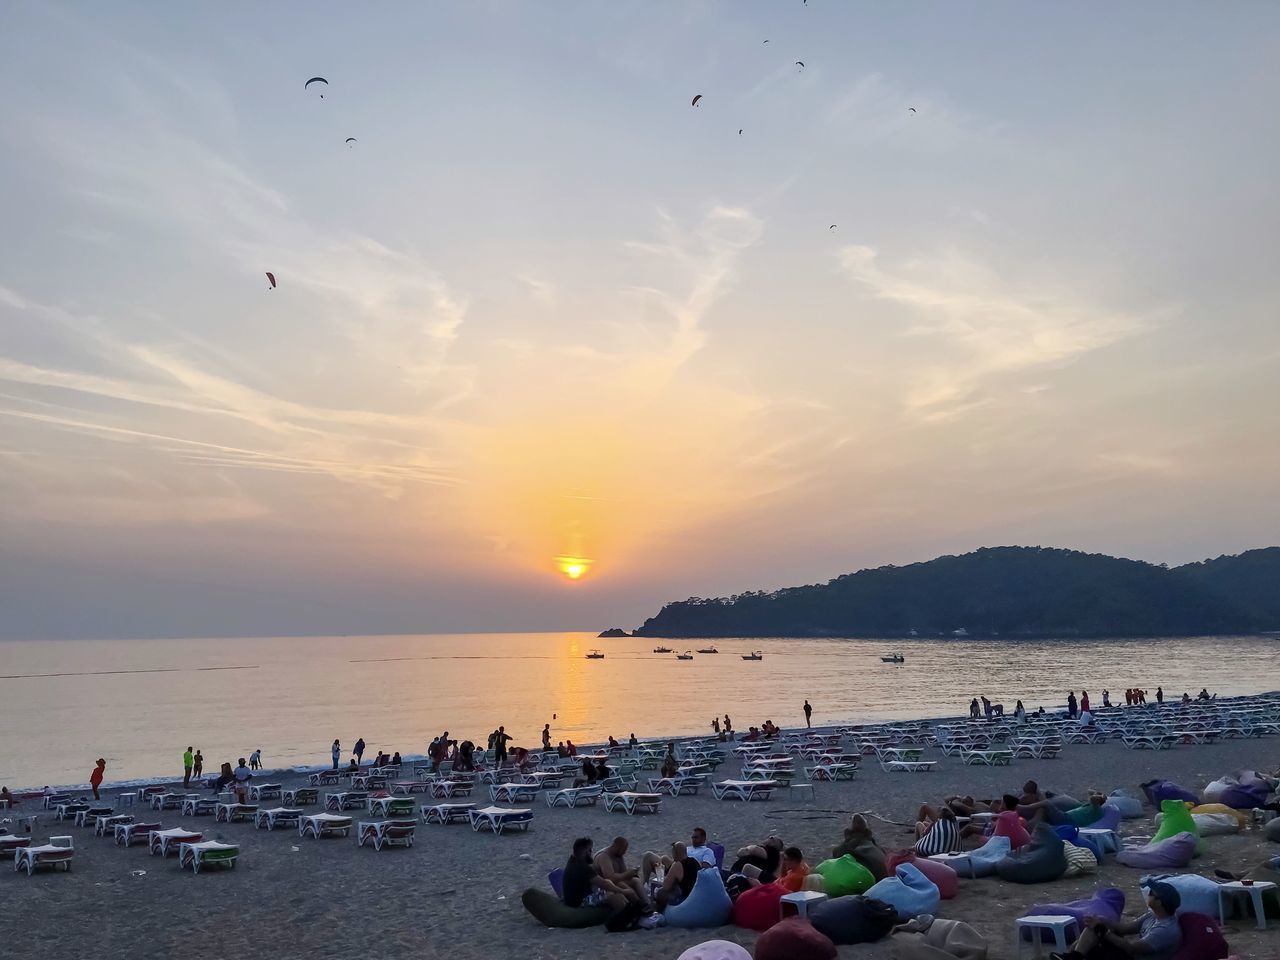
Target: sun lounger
(265,791)
(386,833)
(277,817)
(345,800)
(162,841)
(744,790)
(10,844)
(444,789)
(106,824)
(300,797)
(167,801)
(831,771)
(513,792)
(369,782)
(1149,742)
(231,812)
(324,824)
(199,806)
(325,778)
(393,806)
(206,853)
(989,758)
(629,802)
(68,811)
(446,813)
(46,855)
(573,796)
(674,786)
(89,815)
(617,783)
(406,787)
(499,819)
(127,833)
(908,766)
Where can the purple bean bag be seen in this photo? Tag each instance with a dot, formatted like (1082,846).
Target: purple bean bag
(1173,853)
(1241,797)
(1158,791)
(1107,903)
(1110,819)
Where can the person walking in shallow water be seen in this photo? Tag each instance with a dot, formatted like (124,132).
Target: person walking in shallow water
(808,715)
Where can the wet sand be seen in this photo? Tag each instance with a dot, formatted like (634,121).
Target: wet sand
(456,893)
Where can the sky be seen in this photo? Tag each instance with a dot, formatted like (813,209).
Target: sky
(545,317)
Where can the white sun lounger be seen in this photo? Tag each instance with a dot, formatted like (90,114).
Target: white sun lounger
(444,789)
(498,819)
(45,855)
(392,807)
(446,813)
(325,778)
(831,771)
(231,812)
(513,792)
(300,797)
(744,790)
(127,833)
(345,800)
(277,817)
(265,791)
(69,811)
(163,841)
(167,801)
(324,824)
(573,796)
(206,852)
(386,833)
(629,802)
(107,824)
(406,787)
(90,815)
(199,806)
(990,758)
(908,766)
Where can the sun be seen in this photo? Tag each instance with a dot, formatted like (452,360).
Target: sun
(573,567)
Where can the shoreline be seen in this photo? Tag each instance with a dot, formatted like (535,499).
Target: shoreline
(302,770)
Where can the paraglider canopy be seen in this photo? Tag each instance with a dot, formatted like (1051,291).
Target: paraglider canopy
(272,277)
(695,100)
(912,109)
(832,227)
(316,80)
(352,140)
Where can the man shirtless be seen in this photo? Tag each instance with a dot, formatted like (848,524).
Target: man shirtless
(612,864)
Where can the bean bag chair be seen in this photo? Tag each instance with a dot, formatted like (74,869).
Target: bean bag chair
(1040,861)
(1107,903)
(794,939)
(1175,818)
(1201,938)
(985,857)
(1071,835)
(1158,791)
(1064,802)
(909,892)
(1130,807)
(932,938)
(716,950)
(1198,894)
(708,904)
(1272,830)
(1241,797)
(1173,853)
(1214,791)
(1079,860)
(843,876)
(853,919)
(1009,824)
(1110,819)
(942,875)
(868,853)
(551,911)
(757,908)
(1206,808)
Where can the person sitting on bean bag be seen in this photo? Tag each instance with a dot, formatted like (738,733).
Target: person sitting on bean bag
(1082,815)
(1198,894)
(1157,932)
(860,844)
(792,873)
(941,836)
(1040,861)
(1010,825)
(707,905)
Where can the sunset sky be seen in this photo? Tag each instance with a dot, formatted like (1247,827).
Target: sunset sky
(545,314)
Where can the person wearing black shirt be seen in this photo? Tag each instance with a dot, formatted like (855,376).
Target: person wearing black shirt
(766,857)
(583,886)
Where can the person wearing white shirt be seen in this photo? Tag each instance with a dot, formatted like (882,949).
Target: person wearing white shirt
(699,850)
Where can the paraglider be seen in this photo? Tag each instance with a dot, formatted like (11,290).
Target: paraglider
(316,80)
(739,131)
(800,64)
(912,109)
(695,100)
(272,277)
(832,227)
(766,41)
(352,140)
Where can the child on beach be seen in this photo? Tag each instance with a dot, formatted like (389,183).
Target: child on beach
(95,778)
(255,759)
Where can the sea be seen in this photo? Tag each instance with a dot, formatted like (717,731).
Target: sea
(140,703)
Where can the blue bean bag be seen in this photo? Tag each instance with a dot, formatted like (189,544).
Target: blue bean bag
(985,857)
(1173,853)
(1069,834)
(909,892)
(1272,829)
(1130,807)
(1199,894)
(1241,797)
(1040,861)
(1111,817)
(853,919)
(708,904)
(1158,791)
(1107,903)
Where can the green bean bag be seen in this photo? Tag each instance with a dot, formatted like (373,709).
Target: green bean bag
(551,911)
(1175,818)
(867,852)
(1040,861)
(843,876)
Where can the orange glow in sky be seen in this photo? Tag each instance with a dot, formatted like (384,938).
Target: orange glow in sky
(573,567)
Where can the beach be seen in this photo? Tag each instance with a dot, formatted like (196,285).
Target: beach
(457,893)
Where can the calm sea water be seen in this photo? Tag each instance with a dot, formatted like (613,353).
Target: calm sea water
(139,703)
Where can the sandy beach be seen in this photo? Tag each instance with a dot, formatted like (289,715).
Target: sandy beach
(456,893)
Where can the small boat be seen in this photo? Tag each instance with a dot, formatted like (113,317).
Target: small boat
(754,655)
(595,655)
(709,650)
(896,658)
(687,655)
(661,649)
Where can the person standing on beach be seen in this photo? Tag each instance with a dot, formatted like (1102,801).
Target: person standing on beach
(358,750)
(1071,704)
(188,760)
(715,725)
(255,759)
(500,741)
(546,736)
(728,727)
(336,751)
(95,778)
(808,715)
(1106,698)
(1159,694)
(242,777)
(1084,701)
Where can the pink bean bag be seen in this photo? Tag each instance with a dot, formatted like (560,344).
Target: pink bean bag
(757,908)
(943,877)
(1009,824)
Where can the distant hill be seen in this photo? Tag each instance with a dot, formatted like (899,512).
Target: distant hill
(1000,591)
(1250,581)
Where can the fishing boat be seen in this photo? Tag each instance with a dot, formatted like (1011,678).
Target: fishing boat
(595,655)
(711,649)
(661,649)
(753,655)
(687,655)
(896,658)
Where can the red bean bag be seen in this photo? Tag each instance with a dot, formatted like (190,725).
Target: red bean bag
(1009,824)
(757,908)
(794,939)
(943,877)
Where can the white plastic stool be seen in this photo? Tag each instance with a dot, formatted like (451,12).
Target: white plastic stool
(126,799)
(1255,890)
(1108,840)
(1059,924)
(796,790)
(800,901)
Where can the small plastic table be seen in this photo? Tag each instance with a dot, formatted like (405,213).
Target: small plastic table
(1059,924)
(1254,890)
(800,902)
